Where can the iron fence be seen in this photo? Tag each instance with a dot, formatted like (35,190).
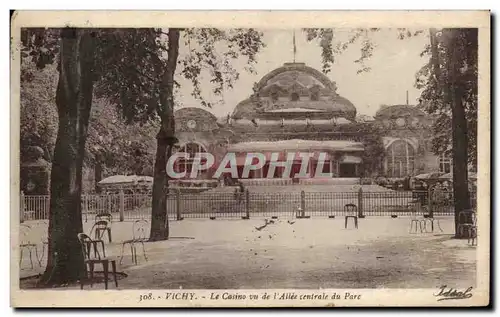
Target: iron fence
(34,207)
(232,205)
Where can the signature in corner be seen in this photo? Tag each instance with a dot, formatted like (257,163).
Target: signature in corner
(446,293)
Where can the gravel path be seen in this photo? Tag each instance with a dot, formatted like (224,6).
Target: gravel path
(296,253)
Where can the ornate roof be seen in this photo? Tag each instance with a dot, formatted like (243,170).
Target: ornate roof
(298,74)
(398,111)
(298,89)
(192,119)
(403,118)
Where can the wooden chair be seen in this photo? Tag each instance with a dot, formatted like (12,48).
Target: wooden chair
(101,226)
(139,235)
(26,244)
(87,244)
(351,211)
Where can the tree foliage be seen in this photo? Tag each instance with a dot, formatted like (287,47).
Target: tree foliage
(38,110)
(122,148)
(433,99)
(330,47)
(450,92)
(207,54)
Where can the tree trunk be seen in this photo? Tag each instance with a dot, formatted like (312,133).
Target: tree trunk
(165,141)
(453,96)
(74,101)
(459,130)
(159,218)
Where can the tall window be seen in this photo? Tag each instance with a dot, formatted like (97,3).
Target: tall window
(444,163)
(186,164)
(400,159)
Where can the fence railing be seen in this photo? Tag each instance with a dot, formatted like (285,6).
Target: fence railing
(247,204)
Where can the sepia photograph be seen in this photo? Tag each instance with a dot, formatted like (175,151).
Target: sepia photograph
(256,163)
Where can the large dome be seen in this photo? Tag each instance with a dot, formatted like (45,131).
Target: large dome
(298,89)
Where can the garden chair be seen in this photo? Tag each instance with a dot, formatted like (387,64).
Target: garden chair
(300,212)
(472,231)
(466,220)
(44,239)
(26,244)
(101,226)
(351,211)
(139,235)
(416,222)
(86,244)
(432,220)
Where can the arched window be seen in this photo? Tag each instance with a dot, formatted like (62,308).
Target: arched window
(186,164)
(400,159)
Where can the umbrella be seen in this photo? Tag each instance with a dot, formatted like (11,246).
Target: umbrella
(123,179)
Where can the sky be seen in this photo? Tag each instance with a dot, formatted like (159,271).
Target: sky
(393,67)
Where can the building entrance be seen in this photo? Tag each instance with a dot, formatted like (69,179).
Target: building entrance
(347,170)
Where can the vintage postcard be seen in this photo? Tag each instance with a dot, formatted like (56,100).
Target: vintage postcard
(250,159)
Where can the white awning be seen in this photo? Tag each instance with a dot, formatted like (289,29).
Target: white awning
(123,179)
(350,159)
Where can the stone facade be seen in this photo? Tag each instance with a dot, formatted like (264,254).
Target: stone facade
(296,103)
(405,124)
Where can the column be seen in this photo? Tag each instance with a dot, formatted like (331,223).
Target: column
(407,160)
(393,162)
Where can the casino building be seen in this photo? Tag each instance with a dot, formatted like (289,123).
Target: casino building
(297,108)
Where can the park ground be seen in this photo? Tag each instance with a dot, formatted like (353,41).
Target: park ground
(289,253)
